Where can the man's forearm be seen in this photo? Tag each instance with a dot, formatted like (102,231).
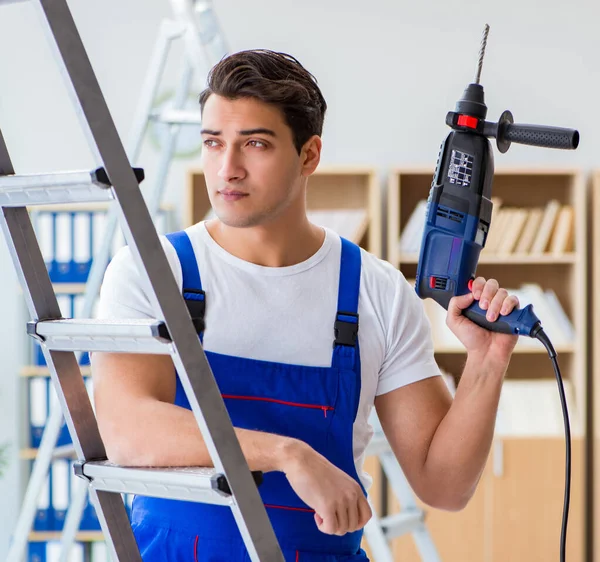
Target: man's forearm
(161,434)
(461,444)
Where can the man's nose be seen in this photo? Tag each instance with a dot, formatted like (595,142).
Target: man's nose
(232,165)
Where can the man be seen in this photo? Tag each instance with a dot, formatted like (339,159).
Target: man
(299,396)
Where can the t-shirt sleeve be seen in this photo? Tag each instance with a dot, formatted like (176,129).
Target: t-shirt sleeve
(125,292)
(409,347)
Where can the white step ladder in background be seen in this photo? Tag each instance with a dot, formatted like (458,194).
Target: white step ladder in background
(379,532)
(195,23)
(230,483)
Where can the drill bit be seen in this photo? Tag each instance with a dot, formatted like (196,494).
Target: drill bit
(486,30)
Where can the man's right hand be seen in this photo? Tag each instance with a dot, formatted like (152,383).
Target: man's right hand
(338,500)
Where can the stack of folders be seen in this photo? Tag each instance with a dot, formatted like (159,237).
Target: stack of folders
(546,306)
(513,232)
(61,483)
(531,408)
(348,223)
(50,552)
(71,305)
(69,239)
(351,224)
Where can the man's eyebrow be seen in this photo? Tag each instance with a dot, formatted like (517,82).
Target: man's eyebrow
(244,132)
(257,131)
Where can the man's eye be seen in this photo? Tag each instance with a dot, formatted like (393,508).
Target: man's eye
(257,143)
(210,143)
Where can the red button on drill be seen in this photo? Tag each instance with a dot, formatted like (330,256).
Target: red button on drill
(470,285)
(432,282)
(468,121)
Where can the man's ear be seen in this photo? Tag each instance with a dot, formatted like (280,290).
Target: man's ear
(310,155)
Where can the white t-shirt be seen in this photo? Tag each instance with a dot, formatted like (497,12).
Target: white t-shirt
(286,315)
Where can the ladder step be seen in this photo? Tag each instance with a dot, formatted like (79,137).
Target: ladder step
(197,484)
(119,336)
(177,117)
(61,187)
(401,523)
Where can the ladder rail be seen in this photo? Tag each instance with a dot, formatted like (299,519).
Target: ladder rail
(168,32)
(411,519)
(194,371)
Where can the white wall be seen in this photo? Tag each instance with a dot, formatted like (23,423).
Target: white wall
(390,70)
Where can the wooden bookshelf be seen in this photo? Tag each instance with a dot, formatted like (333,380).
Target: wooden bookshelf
(81,536)
(39,371)
(328,188)
(516,518)
(594,480)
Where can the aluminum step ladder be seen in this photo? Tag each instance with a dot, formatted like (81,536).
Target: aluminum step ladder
(194,22)
(230,483)
(379,532)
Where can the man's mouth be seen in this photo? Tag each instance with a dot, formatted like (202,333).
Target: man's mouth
(232,194)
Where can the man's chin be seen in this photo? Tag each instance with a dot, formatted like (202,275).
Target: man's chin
(239,221)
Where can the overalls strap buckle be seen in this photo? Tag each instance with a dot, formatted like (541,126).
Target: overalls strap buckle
(346,329)
(195,299)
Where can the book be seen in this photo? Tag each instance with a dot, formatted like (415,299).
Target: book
(544,233)
(348,223)
(531,408)
(545,305)
(497,228)
(512,231)
(563,232)
(412,234)
(566,327)
(496,205)
(532,224)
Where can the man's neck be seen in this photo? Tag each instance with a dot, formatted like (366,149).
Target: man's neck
(278,244)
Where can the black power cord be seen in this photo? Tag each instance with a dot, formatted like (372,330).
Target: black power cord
(541,335)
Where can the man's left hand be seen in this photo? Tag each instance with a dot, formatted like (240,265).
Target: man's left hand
(479,342)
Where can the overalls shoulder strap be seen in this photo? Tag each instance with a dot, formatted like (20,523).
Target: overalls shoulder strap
(194,296)
(345,346)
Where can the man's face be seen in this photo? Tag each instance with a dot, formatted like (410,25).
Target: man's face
(250,163)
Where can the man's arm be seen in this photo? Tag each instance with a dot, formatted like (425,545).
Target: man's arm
(141,426)
(442,444)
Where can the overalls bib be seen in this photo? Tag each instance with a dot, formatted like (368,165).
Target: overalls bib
(317,405)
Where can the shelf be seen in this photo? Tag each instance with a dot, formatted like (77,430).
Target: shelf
(594,325)
(564,274)
(35,371)
(329,189)
(69,288)
(64,451)
(518,350)
(534,464)
(570,258)
(81,536)
(85,207)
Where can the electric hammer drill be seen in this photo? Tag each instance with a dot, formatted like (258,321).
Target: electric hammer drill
(458,222)
(459,205)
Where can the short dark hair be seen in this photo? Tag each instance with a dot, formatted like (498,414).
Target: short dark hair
(274,78)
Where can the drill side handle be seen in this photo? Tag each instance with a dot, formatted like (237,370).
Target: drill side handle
(506,131)
(520,322)
(540,135)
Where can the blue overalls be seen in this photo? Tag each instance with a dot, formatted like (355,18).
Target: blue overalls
(317,405)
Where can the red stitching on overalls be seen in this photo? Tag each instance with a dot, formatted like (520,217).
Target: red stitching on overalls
(196,549)
(290,508)
(284,402)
